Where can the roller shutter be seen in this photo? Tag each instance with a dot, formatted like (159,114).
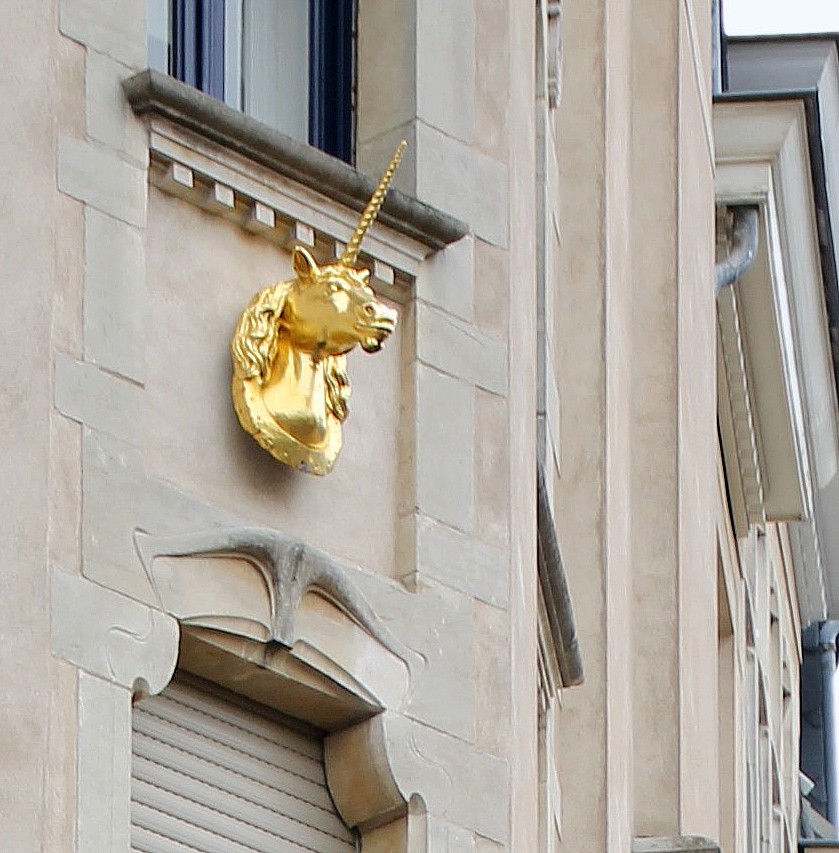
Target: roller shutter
(217,774)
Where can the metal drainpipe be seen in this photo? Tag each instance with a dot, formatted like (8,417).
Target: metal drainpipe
(560,611)
(744,237)
(828,632)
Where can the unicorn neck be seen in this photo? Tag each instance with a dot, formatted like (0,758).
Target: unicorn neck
(295,395)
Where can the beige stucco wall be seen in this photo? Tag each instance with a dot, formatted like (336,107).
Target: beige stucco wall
(122,299)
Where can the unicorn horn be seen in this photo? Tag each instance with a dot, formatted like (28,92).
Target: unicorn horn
(350,255)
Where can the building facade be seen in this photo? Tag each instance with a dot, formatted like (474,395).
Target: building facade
(550,597)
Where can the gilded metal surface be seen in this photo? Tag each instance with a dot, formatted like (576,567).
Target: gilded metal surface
(290,386)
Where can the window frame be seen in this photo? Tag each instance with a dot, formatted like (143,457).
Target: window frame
(332,33)
(200,48)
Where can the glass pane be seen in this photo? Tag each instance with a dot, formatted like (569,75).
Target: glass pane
(158,34)
(275,64)
(233,53)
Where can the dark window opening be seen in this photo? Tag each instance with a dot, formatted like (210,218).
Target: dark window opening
(289,63)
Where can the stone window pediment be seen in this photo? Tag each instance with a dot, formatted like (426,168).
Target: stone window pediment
(322,657)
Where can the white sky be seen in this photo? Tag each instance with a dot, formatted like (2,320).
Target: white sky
(753,17)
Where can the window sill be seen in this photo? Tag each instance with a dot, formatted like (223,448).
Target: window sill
(239,161)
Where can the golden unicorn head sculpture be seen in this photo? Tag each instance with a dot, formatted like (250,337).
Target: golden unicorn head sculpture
(290,386)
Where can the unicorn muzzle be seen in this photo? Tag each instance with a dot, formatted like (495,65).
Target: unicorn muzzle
(376,323)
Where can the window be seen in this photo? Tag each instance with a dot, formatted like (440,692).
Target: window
(288,63)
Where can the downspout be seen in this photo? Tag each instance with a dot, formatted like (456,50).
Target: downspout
(716,14)
(828,632)
(555,590)
(743,248)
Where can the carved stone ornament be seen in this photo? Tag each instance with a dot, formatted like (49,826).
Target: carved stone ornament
(290,386)
(271,594)
(290,569)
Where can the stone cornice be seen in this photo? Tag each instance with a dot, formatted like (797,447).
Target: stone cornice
(675,844)
(153,93)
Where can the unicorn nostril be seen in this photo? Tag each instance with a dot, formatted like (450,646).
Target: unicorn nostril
(370,309)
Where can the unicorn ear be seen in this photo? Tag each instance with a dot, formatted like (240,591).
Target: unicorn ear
(364,274)
(304,264)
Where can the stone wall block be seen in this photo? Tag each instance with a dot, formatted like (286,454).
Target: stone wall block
(405,554)
(109,117)
(386,67)
(111,635)
(60,795)
(374,154)
(115,295)
(98,399)
(492,77)
(447,279)
(461,561)
(114,494)
(436,623)
(397,836)
(114,27)
(446,66)
(407,427)
(459,785)
(448,837)
(104,766)
(443,637)
(68,253)
(65,496)
(461,350)
(464,182)
(492,469)
(70,79)
(97,177)
(492,298)
(445,452)
(492,674)
(120,498)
